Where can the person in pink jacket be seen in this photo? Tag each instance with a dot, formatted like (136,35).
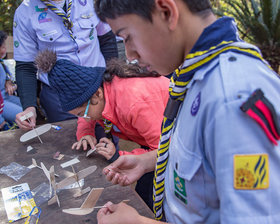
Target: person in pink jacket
(135,107)
(126,105)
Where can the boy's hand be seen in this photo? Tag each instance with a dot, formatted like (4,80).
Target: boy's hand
(106,148)
(84,142)
(25,124)
(9,87)
(125,170)
(118,214)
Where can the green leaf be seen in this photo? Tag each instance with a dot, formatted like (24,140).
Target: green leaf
(267,16)
(276,28)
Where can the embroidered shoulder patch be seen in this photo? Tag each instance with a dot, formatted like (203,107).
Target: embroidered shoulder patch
(251,172)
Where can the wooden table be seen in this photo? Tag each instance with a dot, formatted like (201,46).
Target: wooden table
(12,150)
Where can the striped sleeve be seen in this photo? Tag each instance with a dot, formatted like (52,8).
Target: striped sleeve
(1,103)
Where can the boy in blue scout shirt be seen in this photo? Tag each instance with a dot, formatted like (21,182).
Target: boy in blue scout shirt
(219,155)
(70,28)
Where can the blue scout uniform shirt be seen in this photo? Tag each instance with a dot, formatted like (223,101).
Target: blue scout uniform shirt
(2,81)
(37,28)
(214,144)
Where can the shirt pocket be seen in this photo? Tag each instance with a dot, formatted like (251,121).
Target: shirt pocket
(88,28)
(49,38)
(187,169)
(88,23)
(186,164)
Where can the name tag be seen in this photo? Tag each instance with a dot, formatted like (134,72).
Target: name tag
(50,33)
(86,16)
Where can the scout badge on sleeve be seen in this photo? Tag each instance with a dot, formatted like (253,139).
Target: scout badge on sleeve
(251,172)
(262,111)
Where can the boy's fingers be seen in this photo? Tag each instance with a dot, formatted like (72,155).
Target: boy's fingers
(32,121)
(124,181)
(104,140)
(111,207)
(74,145)
(23,124)
(109,174)
(78,145)
(113,167)
(116,178)
(85,143)
(92,145)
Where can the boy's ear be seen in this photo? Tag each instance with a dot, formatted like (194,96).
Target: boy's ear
(169,12)
(97,96)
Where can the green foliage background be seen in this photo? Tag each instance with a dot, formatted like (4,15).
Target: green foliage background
(258,22)
(7,11)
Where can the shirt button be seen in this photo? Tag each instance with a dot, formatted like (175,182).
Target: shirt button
(232,58)
(78,51)
(91,25)
(75,37)
(51,39)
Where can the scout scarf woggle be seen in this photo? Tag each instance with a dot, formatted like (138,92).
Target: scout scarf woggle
(223,37)
(65,16)
(107,126)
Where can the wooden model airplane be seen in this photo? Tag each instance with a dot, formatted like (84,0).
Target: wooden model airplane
(75,178)
(90,151)
(53,185)
(34,163)
(35,133)
(88,205)
(26,116)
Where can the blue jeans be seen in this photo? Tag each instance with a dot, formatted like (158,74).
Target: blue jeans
(144,188)
(50,102)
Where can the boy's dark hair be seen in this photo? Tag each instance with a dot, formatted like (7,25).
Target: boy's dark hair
(3,37)
(143,8)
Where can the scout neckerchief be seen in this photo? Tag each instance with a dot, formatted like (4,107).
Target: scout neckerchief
(8,73)
(107,126)
(65,16)
(223,37)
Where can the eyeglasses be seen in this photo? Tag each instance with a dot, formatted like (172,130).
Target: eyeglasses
(86,111)
(85,116)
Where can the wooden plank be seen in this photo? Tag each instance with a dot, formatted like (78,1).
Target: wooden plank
(12,150)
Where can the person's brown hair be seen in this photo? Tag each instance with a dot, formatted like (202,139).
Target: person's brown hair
(118,67)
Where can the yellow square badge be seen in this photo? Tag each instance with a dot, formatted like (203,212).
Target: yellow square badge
(251,172)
